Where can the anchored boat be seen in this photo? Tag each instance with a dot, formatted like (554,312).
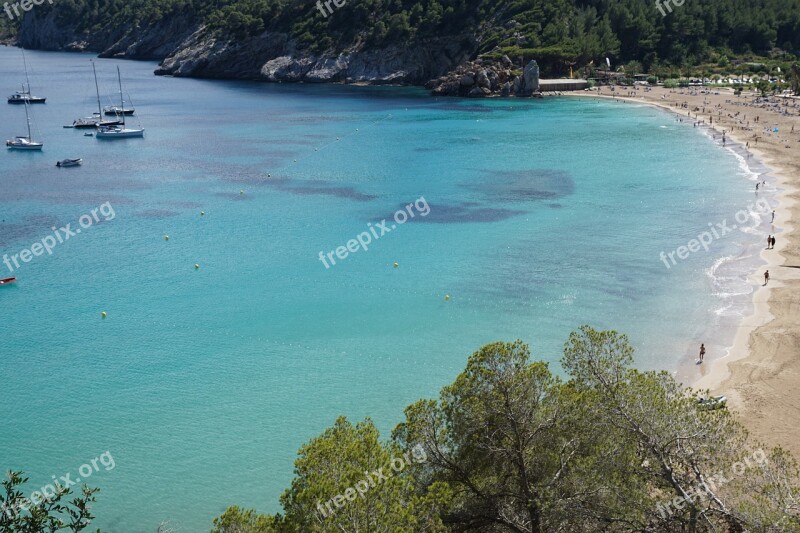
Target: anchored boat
(69,163)
(119,132)
(25,143)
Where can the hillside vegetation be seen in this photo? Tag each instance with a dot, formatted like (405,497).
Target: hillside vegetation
(555,32)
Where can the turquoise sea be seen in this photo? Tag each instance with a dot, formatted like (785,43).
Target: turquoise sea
(203,383)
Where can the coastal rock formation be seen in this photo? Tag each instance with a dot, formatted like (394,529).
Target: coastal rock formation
(189,49)
(44,30)
(276,58)
(482,78)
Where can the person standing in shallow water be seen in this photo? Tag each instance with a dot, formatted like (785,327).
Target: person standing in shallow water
(766,277)
(702,351)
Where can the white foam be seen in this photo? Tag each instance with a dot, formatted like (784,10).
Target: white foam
(747,172)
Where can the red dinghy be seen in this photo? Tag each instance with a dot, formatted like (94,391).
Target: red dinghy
(7,281)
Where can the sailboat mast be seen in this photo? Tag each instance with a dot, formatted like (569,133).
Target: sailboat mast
(28,120)
(97,88)
(25,62)
(121,101)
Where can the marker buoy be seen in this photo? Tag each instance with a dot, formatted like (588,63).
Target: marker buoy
(446,297)
(241,191)
(202,213)
(103,314)
(396,264)
(166,237)
(196,266)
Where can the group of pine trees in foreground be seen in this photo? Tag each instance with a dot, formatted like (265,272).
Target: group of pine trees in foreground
(511,447)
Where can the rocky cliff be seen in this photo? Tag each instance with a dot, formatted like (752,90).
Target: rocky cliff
(275,57)
(187,48)
(44,30)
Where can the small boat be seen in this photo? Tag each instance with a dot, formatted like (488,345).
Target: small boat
(119,132)
(116,132)
(93,122)
(69,163)
(96,120)
(114,110)
(7,281)
(88,134)
(25,143)
(25,97)
(713,402)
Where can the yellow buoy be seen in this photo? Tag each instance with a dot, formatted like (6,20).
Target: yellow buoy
(396,264)
(446,297)
(196,266)
(103,314)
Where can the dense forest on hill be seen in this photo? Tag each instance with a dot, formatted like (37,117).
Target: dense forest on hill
(555,32)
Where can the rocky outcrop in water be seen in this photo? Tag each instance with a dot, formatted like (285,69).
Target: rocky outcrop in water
(481,78)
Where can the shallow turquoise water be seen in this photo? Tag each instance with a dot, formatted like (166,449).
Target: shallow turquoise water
(202,384)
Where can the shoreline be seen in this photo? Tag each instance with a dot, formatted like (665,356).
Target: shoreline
(759,372)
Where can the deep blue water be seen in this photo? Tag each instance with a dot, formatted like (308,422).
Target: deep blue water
(203,383)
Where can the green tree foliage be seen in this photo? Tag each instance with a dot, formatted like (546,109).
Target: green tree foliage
(555,32)
(325,495)
(21,515)
(511,447)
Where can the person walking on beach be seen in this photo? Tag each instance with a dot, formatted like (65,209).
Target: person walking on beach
(772,245)
(766,277)
(773,215)
(757,184)
(702,352)
(769,241)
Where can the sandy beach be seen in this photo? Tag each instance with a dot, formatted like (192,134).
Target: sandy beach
(761,373)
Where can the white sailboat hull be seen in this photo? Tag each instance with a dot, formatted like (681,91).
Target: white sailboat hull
(119,133)
(23,144)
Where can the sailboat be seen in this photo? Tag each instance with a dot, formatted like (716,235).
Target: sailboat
(115,110)
(25,143)
(25,96)
(119,132)
(96,119)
